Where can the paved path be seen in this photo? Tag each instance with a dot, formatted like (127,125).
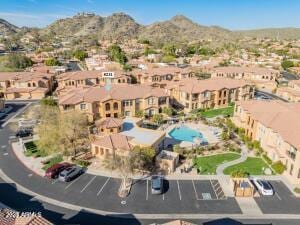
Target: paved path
(222,167)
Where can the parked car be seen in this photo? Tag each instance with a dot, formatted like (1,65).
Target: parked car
(156,185)
(263,186)
(70,173)
(54,170)
(24,133)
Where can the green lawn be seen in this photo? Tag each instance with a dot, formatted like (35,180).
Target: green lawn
(208,164)
(252,165)
(228,111)
(32,150)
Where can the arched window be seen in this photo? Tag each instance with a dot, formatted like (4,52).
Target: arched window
(107,106)
(29,85)
(116,106)
(119,81)
(33,84)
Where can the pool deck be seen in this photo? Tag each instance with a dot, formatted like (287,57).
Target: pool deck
(209,133)
(141,136)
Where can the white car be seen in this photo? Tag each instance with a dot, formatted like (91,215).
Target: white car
(263,186)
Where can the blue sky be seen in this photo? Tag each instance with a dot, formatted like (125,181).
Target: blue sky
(231,14)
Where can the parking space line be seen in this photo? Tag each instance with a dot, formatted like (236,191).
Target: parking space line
(103,186)
(213,187)
(179,190)
(69,185)
(277,195)
(195,190)
(88,184)
(53,182)
(147,191)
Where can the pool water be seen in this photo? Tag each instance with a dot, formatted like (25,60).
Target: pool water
(184,133)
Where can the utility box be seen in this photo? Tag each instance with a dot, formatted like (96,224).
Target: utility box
(242,187)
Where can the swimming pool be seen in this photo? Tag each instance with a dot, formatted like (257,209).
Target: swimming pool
(184,133)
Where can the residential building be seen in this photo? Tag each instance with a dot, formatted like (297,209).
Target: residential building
(109,125)
(263,78)
(291,92)
(71,80)
(128,135)
(193,94)
(276,125)
(162,74)
(119,100)
(25,85)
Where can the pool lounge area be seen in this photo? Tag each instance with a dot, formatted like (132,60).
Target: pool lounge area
(192,134)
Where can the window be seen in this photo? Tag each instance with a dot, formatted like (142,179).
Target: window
(291,169)
(224,101)
(219,102)
(116,115)
(107,115)
(96,150)
(150,101)
(82,106)
(111,130)
(107,106)
(224,93)
(116,106)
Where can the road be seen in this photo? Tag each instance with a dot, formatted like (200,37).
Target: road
(89,195)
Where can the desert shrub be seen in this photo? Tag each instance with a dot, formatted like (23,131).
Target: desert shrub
(278,167)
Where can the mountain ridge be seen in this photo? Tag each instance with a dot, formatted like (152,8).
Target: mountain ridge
(121,26)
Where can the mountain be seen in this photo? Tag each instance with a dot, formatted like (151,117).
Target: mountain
(7,28)
(180,28)
(279,33)
(119,26)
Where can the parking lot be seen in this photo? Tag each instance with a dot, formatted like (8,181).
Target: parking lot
(179,196)
(283,201)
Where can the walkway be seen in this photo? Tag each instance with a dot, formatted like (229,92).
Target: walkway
(244,155)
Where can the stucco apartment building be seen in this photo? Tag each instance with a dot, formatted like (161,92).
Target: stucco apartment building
(25,85)
(119,100)
(276,125)
(77,79)
(263,78)
(291,92)
(162,74)
(210,93)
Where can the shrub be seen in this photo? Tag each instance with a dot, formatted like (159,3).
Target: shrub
(239,174)
(297,190)
(278,167)
(82,163)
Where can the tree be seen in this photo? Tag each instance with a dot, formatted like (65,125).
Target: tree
(74,132)
(167,110)
(52,62)
(48,129)
(48,101)
(80,55)
(116,54)
(169,50)
(142,157)
(158,118)
(287,64)
(127,67)
(17,61)
(139,113)
(168,59)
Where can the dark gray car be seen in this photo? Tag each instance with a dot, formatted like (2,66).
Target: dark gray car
(156,185)
(70,173)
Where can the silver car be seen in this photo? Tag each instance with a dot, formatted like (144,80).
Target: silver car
(70,173)
(156,185)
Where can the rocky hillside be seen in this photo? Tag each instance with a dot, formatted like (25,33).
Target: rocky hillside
(119,26)
(280,33)
(7,28)
(180,28)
